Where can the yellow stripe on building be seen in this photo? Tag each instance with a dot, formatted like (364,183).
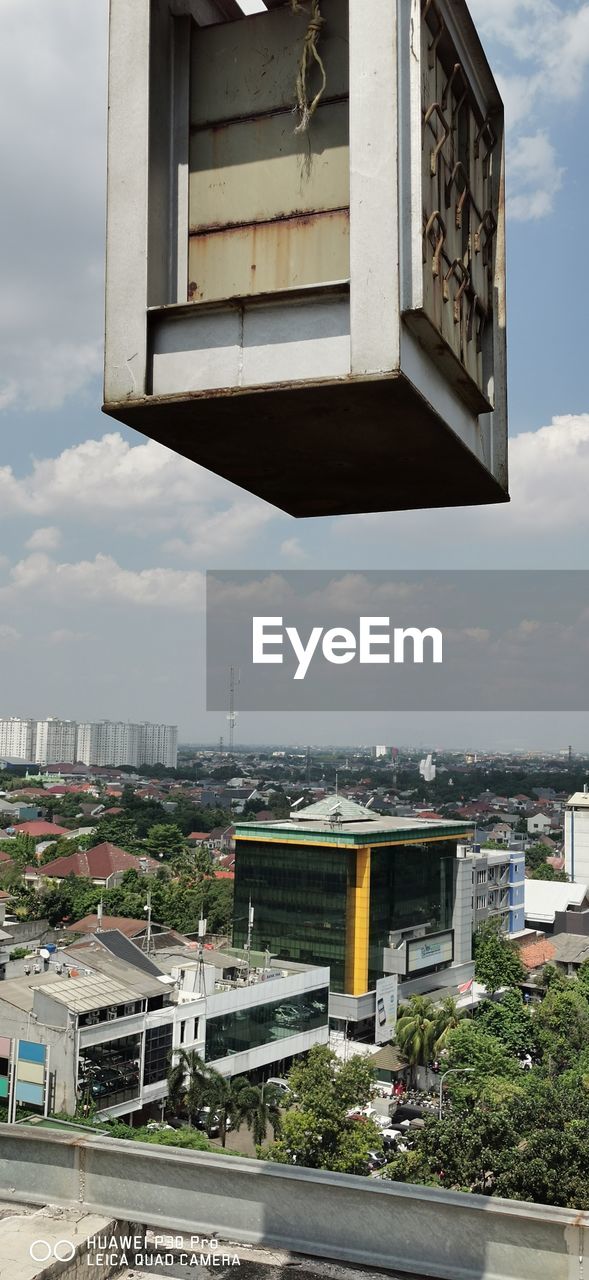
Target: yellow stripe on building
(358,927)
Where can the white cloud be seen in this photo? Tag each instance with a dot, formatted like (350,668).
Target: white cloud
(46,539)
(540,53)
(141,489)
(102,581)
(53,74)
(534,176)
(292,550)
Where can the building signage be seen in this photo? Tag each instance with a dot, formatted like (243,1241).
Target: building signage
(424,953)
(386,1008)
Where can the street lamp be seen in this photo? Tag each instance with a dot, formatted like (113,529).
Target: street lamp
(451,1071)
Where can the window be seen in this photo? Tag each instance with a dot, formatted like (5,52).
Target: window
(264,1023)
(108,1074)
(300,896)
(158,1048)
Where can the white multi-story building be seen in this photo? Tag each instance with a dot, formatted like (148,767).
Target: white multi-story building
(158,744)
(55,741)
(109,742)
(427,769)
(18,739)
(576,837)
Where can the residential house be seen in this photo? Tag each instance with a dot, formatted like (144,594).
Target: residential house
(105,865)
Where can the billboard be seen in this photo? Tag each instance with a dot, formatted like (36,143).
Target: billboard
(424,953)
(386,1008)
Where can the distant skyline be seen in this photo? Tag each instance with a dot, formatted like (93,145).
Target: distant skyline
(105,536)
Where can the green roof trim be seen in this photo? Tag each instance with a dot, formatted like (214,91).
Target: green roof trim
(412,833)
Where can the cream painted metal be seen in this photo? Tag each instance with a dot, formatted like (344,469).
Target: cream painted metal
(421,1231)
(320,317)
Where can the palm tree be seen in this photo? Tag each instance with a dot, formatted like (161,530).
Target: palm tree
(227,1099)
(260,1108)
(447,1015)
(415,1032)
(188,1083)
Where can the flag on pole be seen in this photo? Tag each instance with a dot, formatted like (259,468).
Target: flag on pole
(466,986)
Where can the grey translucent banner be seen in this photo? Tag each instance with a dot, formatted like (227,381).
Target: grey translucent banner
(379,641)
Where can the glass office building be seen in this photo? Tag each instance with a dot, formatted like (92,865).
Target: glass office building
(329,886)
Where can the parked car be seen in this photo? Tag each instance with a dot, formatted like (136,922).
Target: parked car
(375,1160)
(211,1125)
(281,1086)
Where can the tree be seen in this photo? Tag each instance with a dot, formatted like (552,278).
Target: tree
(318,1133)
(164,840)
(447,1017)
(188,1079)
(231,1099)
(469,1046)
(528,1146)
(22,849)
(536,856)
(562,1026)
(546,872)
(510,1021)
(119,829)
(416,1032)
(496,963)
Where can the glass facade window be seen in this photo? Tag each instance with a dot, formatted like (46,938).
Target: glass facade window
(299,894)
(409,885)
(158,1048)
(235,1032)
(108,1074)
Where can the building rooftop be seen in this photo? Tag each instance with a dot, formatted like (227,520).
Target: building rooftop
(96,991)
(336,820)
(543,898)
(99,863)
(20,992)
(570,948)
(92,924)
(579,800)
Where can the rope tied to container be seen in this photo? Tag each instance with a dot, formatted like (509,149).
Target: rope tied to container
(306,109)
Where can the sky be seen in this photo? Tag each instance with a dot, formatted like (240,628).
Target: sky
(105,536)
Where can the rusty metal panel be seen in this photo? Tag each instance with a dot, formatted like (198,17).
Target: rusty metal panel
(265,257)
(245,67)
(252,171)
(258,189)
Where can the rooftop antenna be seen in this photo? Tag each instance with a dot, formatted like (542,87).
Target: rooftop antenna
(232,717)
(147,909)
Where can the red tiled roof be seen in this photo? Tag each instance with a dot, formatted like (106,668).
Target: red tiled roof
(5,857)
(98,863)
(224,875)
(89,924)
(198,835)
(534,954)
(40,829)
